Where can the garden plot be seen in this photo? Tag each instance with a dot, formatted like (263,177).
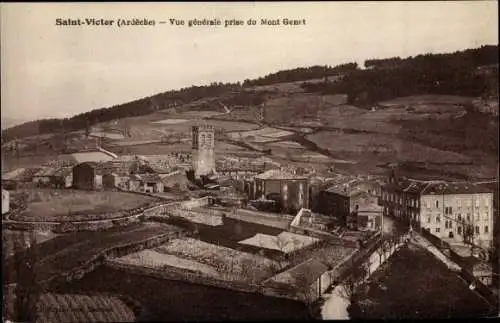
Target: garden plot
(285,242)
(228,262)
(154,259)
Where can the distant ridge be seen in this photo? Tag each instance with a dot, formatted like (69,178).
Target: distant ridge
(455,73)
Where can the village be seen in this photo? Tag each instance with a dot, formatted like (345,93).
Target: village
(250,162)
(245,224)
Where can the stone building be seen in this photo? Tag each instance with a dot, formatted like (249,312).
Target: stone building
(203,155)
(88,176)
(350,202)
(291,191)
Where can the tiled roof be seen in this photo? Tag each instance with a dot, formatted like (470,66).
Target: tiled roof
(95,156)
(64,171)
(150,177)
(28,174)
(443,187)
(414,186)
(278,174)
(46,171)
(82,308)
(305,273)
(455,188)
(12,175)
(119,167)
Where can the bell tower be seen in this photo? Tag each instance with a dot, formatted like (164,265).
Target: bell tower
(203,138)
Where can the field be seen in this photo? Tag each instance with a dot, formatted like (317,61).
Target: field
(401,150)
(110,135)
(9,238)
(199,114)
(428,99)
(79,205)
(171,121)
(436,292)
(67,251)
(260,135)
(285,144)
(203,216)
(169,300)
(229,263)
(441,131)
(154,259)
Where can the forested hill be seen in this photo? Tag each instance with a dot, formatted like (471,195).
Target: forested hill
(473,72)
(456,73)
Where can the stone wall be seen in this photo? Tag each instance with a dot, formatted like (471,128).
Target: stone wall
(116,251)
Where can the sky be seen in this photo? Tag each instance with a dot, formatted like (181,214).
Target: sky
(59,71)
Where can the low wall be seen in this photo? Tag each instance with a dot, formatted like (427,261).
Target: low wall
(184,275)
(190,204)
(99,225)
(116,251)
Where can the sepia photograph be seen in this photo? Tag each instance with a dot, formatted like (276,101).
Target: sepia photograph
(217,161)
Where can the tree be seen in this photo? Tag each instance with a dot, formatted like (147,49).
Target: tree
(351,284)
(304,287)
(27,288)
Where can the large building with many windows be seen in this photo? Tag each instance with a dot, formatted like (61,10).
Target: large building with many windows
(457,212)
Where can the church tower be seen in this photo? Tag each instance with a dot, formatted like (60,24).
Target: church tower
(203,150)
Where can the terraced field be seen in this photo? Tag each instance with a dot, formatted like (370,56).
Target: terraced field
(65,252)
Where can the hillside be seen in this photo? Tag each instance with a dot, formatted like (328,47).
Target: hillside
(359,119)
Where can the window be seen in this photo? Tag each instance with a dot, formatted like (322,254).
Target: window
(428,219)
(437,204)
(450,224)
(485,229)
(477,229)
(486,215)
(446,224)
(438,219)
(459,230)
(459,217)
(438,229)
(468,216)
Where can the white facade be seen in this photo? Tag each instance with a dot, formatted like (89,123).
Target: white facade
(447,215)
